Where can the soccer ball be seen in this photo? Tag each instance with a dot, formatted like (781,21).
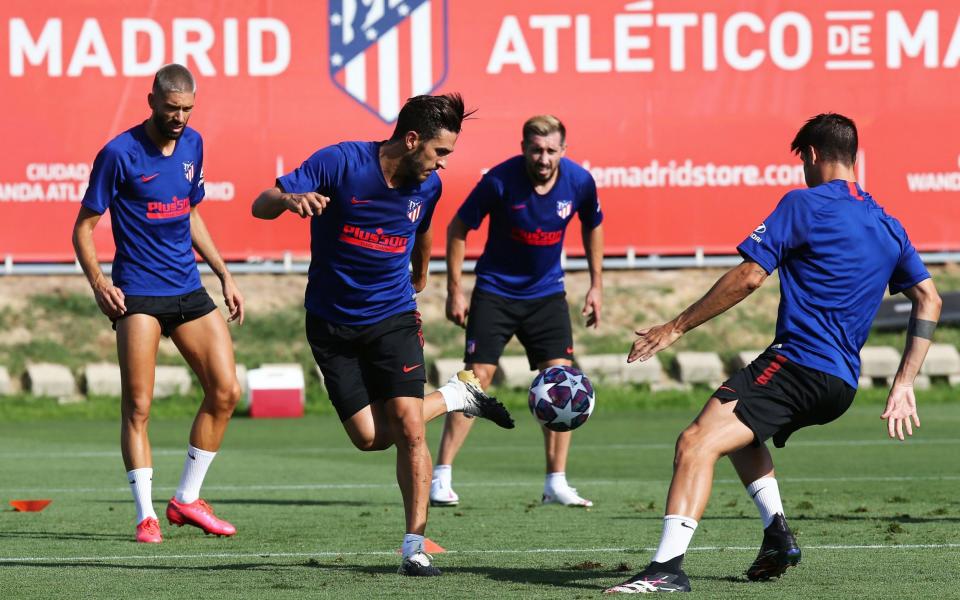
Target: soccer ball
(561,398)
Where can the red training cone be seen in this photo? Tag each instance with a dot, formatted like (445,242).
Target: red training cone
(29,505)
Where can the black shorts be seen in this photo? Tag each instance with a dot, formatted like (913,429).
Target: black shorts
(364,363)
(776,396)
(170,311)
(541,324)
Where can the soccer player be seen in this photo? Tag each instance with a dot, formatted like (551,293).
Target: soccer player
(836,250)
(370,206)
(519,291)
(151,179)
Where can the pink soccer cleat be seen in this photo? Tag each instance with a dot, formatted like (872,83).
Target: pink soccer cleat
(148,531)
(199,514)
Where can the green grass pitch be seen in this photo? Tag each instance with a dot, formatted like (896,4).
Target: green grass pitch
(318,519)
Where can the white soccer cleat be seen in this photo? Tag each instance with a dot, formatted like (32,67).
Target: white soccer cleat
(442,494)
(476,402)
(566,496)
(418,564)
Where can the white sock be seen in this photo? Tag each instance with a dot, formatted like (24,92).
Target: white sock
(412,543)
(766,495)
(444,473)
(141,484)
(452,396)
(194,470)
(555,481)
(677,533)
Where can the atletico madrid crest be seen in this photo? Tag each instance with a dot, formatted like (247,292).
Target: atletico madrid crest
(385,51)
(188,171)
(564,208)
(413,210)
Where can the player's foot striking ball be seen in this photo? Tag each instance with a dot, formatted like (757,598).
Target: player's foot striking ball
(778,551)
(479,404)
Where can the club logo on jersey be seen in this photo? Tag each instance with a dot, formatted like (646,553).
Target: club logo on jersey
(564,208)
(413,210)
(385,51)
(373,240)
(188,171)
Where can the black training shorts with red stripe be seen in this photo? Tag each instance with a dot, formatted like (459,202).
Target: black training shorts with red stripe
(776,396)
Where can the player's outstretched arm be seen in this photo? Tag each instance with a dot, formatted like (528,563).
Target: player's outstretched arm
(735,285)
(109,298)
(457,307)
(593,246)
(901,410)
(207,250)
(272,203)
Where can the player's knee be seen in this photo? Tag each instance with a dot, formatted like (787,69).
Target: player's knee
(689,445)
(225,397)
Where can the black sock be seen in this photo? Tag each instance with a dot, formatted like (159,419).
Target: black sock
(674,565)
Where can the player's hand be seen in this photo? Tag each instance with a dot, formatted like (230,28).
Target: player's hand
(591,307)
(653,340)
(110,299)
(306,205)
(234,300)
(419,283)
(901,410)
(457,308)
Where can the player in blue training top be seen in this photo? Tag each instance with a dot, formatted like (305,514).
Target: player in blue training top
(370,206)
(836,251)
(519,290)
(150,177)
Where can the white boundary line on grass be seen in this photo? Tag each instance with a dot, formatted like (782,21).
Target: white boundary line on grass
(468,484)
(880,441)
(328,553)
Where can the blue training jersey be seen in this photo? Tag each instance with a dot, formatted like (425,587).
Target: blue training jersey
(836,250)
(361,244)
(522,256)
(149,196)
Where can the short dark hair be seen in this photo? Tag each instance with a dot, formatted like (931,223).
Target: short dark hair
(832,135)
(427,115)
(173,78)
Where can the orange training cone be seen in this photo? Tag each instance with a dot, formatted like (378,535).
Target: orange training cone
(429,546)
(29,505)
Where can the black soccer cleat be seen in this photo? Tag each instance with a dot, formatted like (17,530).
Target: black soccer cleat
(657,577)
(479,404)
(418,564)
(778,552)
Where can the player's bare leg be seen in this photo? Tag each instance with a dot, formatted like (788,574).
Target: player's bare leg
(779,549)
(456,428)
(206,345)
(715,432)
(405,418)
(138,337)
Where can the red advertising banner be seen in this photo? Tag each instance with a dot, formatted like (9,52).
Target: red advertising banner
(682,110)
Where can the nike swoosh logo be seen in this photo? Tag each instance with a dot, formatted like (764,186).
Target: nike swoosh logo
(407,369)
(518,206)
(682,524)
(355,201)
(192,457)
(146,178)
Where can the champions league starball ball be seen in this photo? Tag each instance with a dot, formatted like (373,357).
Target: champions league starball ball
(561,398)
